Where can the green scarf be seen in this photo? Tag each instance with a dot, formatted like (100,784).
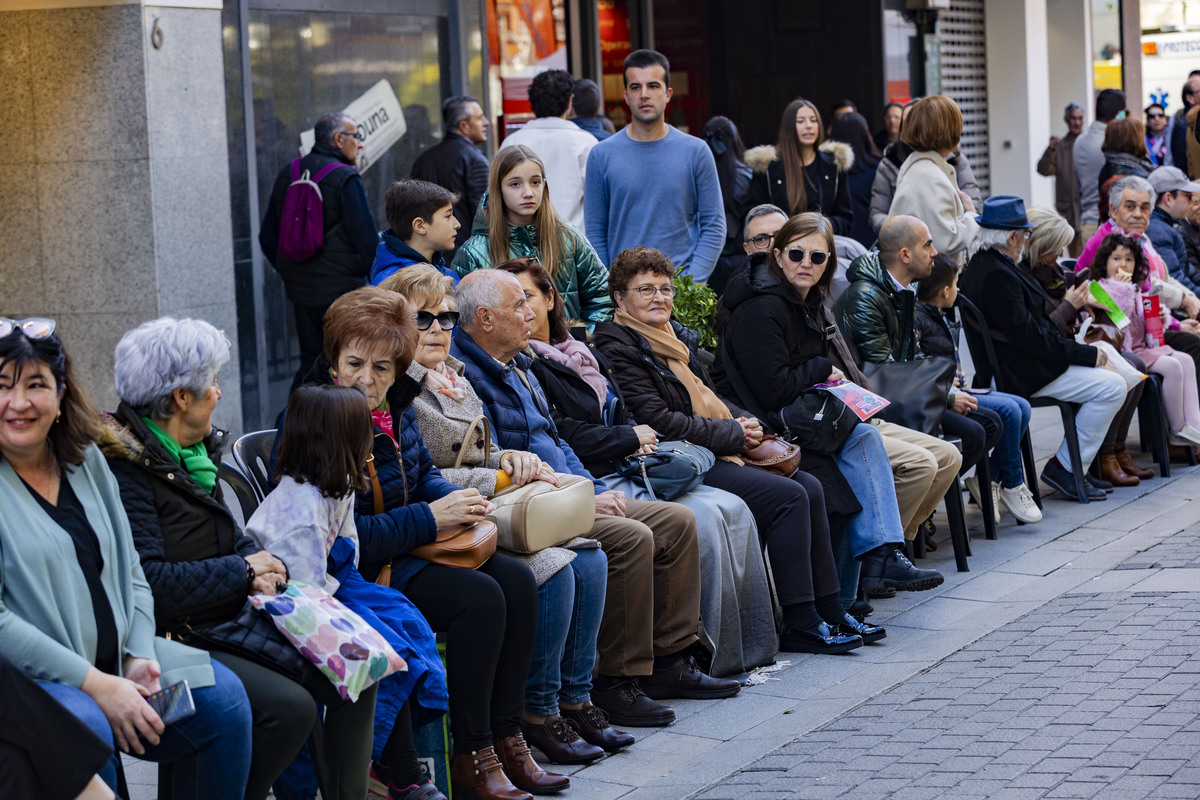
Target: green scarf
(194,459)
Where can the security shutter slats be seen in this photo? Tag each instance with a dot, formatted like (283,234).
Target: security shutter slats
(964,78)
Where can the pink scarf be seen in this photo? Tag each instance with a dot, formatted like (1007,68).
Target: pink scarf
(383,421)
(442,381)
(575,355)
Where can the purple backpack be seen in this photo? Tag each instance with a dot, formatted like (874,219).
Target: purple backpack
(302,219)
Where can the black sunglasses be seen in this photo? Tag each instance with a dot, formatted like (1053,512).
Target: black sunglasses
(815,257)
(446,320)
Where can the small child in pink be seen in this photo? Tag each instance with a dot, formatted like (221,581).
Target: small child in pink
(1121,268)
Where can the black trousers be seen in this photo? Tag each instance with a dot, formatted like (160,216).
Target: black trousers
(979,430)
(310,330)
(489,616)
(791,518)
(45,751)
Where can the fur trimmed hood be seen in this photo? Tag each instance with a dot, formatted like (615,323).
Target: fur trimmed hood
(760,158)
(117,440)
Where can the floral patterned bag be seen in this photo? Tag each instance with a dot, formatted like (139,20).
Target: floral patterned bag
(347,650)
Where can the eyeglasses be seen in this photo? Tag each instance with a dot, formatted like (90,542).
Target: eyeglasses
(762,240)
(1156,115)
(815,257)
(447,320)
(647,292)
(32,327)
(355,134)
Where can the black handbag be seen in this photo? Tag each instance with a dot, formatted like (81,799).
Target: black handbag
(917,390)
(673,470)
(254,637)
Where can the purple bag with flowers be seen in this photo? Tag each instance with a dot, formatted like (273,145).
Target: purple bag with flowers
(342,645)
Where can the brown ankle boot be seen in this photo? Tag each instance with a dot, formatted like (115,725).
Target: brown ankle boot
(523,771)
(1111,471)
(1128,465)
(479,775)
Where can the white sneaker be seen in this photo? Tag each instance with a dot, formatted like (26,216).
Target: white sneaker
(1189,434)
(973,487)
(1019,502)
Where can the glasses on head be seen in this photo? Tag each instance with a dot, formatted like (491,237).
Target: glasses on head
(446,320)
(815,257)
(647,292)
(354,134)
(762,240)
(32,327)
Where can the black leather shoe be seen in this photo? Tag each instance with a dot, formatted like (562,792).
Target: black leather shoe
(1061,480)
(684,679)
(593,725)
(626,704)
(825,639)
(560,742)
(852,627)
(861,609)
(888,567)
(1099,483)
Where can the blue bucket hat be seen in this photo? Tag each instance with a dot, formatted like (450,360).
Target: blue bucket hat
(1004,211)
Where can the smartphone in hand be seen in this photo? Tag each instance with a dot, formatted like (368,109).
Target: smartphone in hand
(173,703)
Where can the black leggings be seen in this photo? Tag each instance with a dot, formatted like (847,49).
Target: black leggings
(489,616)
(791,519)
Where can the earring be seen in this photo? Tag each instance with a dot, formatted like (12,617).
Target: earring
(59,417)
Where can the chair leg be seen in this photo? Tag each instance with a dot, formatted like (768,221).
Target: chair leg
(1154,427)
(316,748)
(958,525)
(1072,437)
(983,471)
(166,780)
(1031,474)
(918,543)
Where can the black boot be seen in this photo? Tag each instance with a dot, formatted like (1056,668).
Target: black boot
(887,567)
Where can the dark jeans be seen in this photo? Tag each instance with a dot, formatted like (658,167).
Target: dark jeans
(489,616)
(791,519)
(310,330)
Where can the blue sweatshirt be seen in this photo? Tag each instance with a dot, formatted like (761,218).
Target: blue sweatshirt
(662,194)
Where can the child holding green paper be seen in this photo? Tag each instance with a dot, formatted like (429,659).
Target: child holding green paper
(1121,269)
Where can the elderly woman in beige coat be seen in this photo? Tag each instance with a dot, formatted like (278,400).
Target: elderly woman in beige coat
(926,186)
(559,717)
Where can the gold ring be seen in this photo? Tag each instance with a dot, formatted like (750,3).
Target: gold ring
(472,510)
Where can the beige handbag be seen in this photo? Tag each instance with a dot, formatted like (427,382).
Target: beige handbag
(539,515)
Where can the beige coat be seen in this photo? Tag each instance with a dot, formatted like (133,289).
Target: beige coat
(926,189)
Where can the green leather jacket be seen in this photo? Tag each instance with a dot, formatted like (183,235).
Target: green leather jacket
(875,316)
(582,280)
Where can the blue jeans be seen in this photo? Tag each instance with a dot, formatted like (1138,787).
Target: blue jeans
(570,607)
(1014,412)
(210,750)
(864,464)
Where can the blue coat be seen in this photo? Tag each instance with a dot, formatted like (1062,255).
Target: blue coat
(1170,246)
(504,407)
(393,255)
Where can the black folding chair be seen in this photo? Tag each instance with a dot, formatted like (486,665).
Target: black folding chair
(252,454)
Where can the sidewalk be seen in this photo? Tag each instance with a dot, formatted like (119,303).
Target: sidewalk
(1059,664)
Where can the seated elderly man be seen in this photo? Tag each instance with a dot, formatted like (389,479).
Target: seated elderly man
(1035,359)
(652,608)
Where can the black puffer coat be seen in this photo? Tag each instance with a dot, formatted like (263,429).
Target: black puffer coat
(780,346)
(192,551)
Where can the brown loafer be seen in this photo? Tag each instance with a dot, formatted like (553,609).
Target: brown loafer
(593,725)
(479,775)
(523,771)
(560,742)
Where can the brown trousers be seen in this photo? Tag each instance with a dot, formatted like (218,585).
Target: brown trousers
(652,606)
(923,468)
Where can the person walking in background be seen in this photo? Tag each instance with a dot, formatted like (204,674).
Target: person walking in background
(851,129)
(562,146)
(585,107)
(455,163)
(344,259)
(1089,160)
(652,184)
(890,132)
(1058,161)
(723,139)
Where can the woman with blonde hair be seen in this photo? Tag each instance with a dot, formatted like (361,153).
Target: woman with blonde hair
(517,220)
(926,186)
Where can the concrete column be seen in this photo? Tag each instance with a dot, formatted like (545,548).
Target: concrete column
(116,176)
(1069,38)
(1018,70)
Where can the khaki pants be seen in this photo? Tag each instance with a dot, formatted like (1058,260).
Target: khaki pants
(652,605)
(1086,231)
(923,467)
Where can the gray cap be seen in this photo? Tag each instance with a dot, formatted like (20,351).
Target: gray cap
(1171,179)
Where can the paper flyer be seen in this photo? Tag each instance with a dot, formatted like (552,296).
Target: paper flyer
(863,403)
(1115,313)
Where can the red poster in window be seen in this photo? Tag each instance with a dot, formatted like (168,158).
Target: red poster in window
(539,16)
(493,30)
(614,35)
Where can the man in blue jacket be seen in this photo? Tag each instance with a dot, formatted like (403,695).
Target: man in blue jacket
(652,607)
(1173,193)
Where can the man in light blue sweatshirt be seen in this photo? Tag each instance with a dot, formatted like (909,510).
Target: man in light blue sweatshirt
(651,184)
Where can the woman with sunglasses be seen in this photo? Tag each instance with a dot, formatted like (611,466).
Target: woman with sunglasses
(78,614)
(518,220)
(559,718)
(664,385)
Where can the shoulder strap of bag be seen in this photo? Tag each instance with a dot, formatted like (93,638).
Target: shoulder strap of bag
(323,171)
(376,489)
(739,385)
(481,420)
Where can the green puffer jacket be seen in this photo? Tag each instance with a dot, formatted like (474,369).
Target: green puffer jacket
(582,280)
(878,319)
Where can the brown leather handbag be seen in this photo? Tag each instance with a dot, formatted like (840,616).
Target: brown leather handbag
(774,455)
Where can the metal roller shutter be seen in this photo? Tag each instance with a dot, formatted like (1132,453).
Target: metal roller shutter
(964,78)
